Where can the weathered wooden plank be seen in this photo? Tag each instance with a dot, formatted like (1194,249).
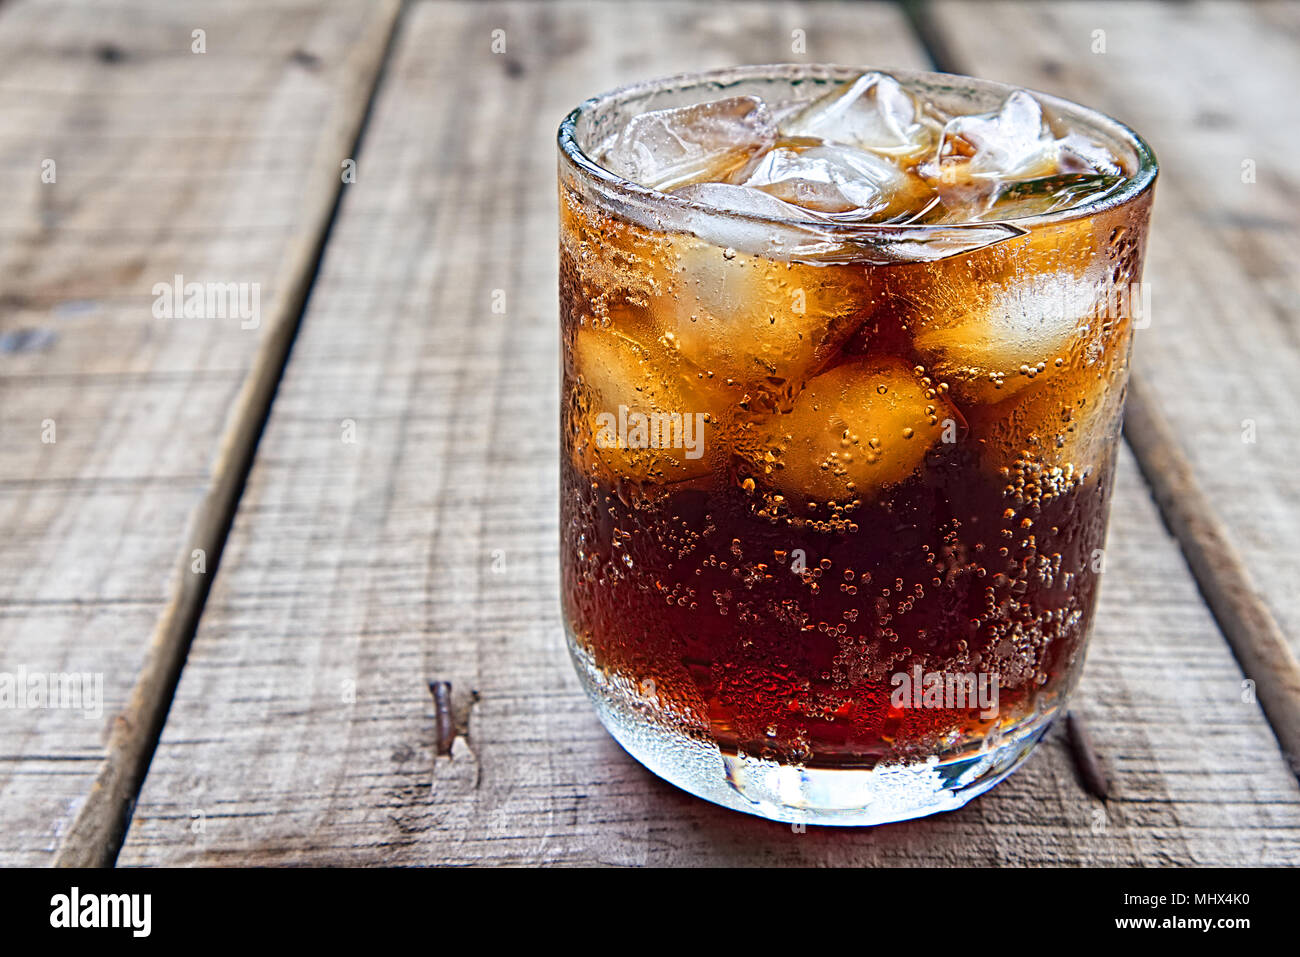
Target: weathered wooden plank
(1242,613)
(120,431)
(1211,86)
(304,731)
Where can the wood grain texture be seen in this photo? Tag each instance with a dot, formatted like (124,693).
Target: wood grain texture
(1211,85)
(1241,611)
(218,166)
(304,730)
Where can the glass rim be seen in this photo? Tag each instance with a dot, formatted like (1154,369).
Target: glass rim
(1133,186)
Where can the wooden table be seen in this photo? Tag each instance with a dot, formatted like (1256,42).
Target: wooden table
(320,514)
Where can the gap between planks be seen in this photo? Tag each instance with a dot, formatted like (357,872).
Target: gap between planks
(96,834)
(1244,619)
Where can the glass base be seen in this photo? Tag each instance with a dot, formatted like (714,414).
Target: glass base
(794,794)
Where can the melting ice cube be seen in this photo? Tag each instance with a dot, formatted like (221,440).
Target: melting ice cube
(855,429)
(664,149)
(829,179)
(982,159)
(873,113)
(1013,143)
(631,387)
(990,340)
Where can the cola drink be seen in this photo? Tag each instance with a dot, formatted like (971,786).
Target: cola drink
(844,360)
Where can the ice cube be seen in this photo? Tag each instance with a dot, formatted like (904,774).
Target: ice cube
(647,417)
(984,158)
(1047,194)
(873,113)
(1057,432)
(853,431)
(746,200)
(1078,154)
(752,324)
(1012,143)
(989,339)
(799,235)
(806,236)
(834,179)
(664,149)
